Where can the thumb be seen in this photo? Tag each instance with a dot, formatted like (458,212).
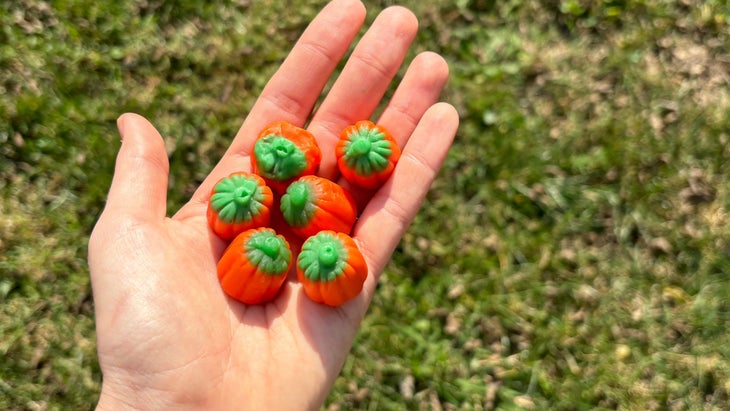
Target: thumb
(139,185)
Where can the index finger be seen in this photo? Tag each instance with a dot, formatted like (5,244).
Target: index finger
(294,89)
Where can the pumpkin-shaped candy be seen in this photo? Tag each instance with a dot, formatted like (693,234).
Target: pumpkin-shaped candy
(284,152)
(313,204)
(331,268)
(366,154)
(255,265)
(238,203)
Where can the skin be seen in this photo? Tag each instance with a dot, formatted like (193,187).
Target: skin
(167,334)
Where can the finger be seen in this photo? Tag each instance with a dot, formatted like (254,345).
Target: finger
(139,185)
(394,206)
(292,92)
(420,89)
(294,89)
(364,79)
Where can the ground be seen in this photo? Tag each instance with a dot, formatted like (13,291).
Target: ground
(573,254)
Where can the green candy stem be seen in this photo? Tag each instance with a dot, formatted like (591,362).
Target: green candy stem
(298,195)
(268,251)
(271,247)
(243,195)
(323,257)
(282,149)
(297,205)
(360,147)
(367,151)
(236,199)
(278,158)
(328,255)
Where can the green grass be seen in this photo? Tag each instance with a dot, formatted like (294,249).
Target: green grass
(585,264)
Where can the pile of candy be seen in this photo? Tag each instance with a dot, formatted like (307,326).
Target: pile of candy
(282,194)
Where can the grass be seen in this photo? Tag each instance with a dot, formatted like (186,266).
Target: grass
(584,260)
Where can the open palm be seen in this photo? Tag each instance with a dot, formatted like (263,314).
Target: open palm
(167,334)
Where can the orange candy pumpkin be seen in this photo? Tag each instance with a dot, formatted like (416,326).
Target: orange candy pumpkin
(366,154)
(254,266)
(313,204)
(331,268)
(284,152)
(238,203)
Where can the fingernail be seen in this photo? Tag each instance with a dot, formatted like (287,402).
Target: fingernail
(120,125)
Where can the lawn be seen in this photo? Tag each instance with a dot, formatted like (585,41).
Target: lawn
(573,254)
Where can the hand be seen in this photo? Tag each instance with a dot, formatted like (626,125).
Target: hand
(167,334)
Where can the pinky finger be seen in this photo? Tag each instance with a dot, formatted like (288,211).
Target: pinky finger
(389,213)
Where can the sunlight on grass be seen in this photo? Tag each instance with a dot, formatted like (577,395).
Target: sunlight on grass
(573,253)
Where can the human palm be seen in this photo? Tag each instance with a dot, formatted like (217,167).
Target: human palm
(167,334)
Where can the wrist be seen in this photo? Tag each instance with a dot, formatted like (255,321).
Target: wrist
(131,398)
(111,400)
